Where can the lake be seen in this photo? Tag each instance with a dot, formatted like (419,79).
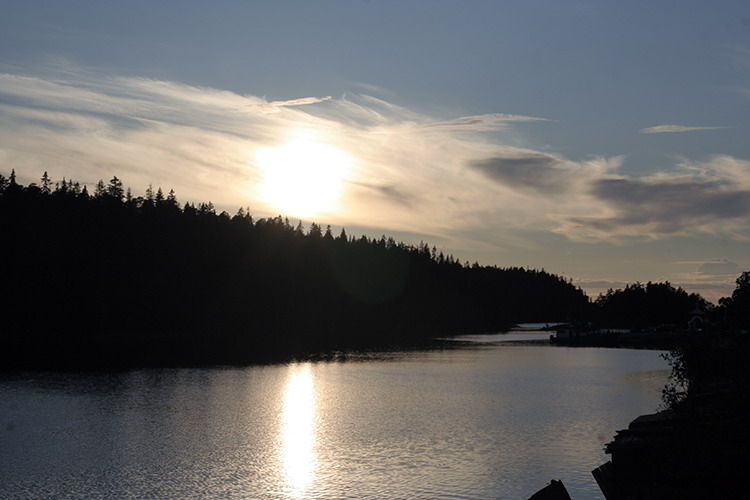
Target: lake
(497,418)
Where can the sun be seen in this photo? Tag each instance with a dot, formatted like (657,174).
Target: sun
(302,177)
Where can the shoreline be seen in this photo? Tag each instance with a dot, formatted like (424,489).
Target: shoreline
(697,446)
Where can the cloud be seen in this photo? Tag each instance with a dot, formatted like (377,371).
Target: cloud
(274,106)
(203,143)
(363,112)
(486,122)
(660,129)
(693,199)
(527,170)
(536,172)
(719,267)
(595,287)
(392,193)
(410,172)
(670,205)
(713,279)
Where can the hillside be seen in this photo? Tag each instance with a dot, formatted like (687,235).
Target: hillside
(107,278)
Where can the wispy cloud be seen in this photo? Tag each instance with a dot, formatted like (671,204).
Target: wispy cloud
(693,199)
(661,129)
(486,122)
(528,170)
(390,192)
(275,106)
(203,143)
(594,288)
(713,279)
(668,206)
(719,267)
(410,172)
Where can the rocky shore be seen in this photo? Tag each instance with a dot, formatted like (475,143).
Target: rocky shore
(697,447)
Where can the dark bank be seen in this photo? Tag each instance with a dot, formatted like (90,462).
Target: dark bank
(697,446)
(110,279)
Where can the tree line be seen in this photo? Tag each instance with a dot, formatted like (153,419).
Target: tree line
(641,306)
(107,277)
(704,448)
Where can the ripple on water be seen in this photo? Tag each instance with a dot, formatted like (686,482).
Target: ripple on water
(497,421)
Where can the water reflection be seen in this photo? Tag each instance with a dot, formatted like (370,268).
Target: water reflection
(493,422)
(298,431)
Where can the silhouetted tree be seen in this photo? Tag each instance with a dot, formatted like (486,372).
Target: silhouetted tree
(115,189)
(736,309)
(150,194)
(141,280)
(640,306)
(315,231)
(99,190)
(172,199)
(46,183)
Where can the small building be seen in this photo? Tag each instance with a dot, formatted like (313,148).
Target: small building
(572,330)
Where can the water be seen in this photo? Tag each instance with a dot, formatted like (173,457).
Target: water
(497,420)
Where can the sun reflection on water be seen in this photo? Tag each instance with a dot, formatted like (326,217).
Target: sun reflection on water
(298,431)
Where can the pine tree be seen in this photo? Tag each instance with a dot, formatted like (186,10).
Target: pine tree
(315,231)
(47,183)
(99,190)
(206,209)
(115,189)
(150,194)
(172,199)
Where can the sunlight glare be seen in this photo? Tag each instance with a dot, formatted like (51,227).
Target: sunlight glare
(298,431)
(302,177)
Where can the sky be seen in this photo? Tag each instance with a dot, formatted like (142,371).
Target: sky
(604,141)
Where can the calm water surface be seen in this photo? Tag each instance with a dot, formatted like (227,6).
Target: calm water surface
(496,420)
